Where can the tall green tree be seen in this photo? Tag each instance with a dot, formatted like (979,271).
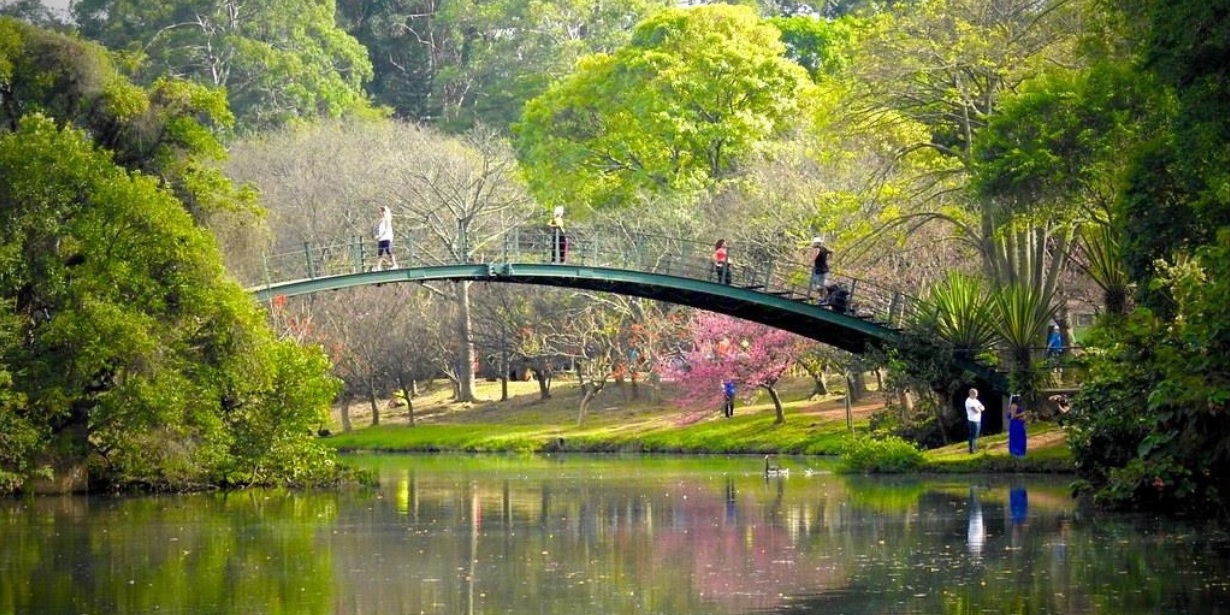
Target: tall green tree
(1150,428)
(1058,151)
(33,12)
(1177,195)
(674,111)
(277,60)
(464,62)
(168,129)
(947,65)
(136,354)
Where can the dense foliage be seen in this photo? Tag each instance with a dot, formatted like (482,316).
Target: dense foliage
(880,455)
(674,110)
(1014,162)
(277,60)
(124,348)
(1151,428)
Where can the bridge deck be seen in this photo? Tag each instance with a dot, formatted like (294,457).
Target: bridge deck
(762,288)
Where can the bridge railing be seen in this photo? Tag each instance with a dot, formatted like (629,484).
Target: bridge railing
(644,252)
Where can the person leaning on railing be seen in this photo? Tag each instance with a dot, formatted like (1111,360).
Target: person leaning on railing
(819,269)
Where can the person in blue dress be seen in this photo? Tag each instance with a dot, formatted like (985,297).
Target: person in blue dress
(1016,426)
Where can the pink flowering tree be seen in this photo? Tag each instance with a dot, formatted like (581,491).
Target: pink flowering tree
(722,347)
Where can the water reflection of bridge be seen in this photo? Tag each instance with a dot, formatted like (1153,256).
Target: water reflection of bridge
(762,288)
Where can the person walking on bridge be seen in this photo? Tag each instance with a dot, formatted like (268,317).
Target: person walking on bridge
(384,239)
(721,262)
(559,240)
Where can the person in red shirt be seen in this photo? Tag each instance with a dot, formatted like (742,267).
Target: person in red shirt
(721,262)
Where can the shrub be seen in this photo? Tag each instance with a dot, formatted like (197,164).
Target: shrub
(886,455)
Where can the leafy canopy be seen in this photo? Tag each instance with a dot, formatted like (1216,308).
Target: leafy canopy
(277,60)
(127,330)
(674,111)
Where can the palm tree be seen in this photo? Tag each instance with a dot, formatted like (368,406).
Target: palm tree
(960,312)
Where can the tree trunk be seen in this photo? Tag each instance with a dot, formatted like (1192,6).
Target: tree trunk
(405,391)
(907,403)
(456,386)
(465,332)
(940,405)
(371,398)
(504,367)
(543,377)
(590,388)
(346,399)
(779,414)
(587,397)
(819,388)
(857,382)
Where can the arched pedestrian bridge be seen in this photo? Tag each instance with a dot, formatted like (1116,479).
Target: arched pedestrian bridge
(762,289)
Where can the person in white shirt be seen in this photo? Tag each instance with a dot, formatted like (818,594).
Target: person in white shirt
(384,239)
(973,416)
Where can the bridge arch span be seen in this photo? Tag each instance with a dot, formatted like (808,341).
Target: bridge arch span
(854,333)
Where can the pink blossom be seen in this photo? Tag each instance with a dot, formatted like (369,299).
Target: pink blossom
(722,347)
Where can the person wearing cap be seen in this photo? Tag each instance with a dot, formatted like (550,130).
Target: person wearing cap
(1054,342)
(559,241)
(820,267)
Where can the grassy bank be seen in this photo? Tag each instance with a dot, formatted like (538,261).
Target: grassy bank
(647,422)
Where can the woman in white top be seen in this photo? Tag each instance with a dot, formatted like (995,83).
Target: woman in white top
(384,239)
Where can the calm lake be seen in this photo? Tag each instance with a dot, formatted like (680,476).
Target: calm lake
(575,535)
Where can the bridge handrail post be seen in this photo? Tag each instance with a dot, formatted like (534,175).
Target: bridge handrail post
(265,266)
(356,264)
(685,261)
(307,255)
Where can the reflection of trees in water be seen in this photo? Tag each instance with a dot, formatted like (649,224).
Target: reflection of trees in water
(1030,563)
(446,540)
(191,554)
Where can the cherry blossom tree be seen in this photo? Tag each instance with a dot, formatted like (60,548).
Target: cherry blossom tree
(722,347)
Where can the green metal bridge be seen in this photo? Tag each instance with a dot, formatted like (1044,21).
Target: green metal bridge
(761,289)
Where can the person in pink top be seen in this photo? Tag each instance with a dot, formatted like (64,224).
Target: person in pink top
(721,262)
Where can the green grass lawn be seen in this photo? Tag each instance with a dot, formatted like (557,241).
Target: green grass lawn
(1046,451)
(618,421)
